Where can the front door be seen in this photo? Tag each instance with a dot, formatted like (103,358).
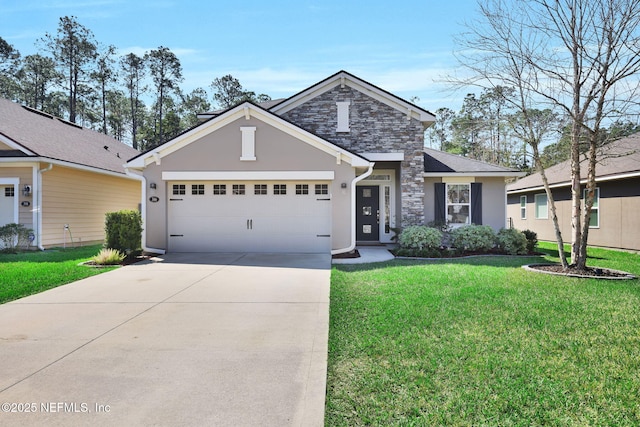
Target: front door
(368,213)
(7,204)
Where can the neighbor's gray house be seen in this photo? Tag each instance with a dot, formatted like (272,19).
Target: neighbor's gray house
(339,163)
(60,179)
(614,220)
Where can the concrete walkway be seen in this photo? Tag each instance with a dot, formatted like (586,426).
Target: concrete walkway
(186,339)
(367,254)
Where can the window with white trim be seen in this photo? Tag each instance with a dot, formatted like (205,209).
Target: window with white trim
(594,219)
(280,189)
(9,191)
(458,204)
(523,207)
(179,189)
(219,189)
(238,189)
(197,189)
(302,189)
(542,208)
(260,189)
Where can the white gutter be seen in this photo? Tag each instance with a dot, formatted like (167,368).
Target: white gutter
(143,211)
(353,211)
(38,208)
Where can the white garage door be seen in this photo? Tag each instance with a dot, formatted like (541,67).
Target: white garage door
(249,216)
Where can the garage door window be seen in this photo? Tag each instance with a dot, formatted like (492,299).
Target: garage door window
(197,189)
(322,189)
(179,189)
(238,189)
(219,189)
(280,189)
(260,189)
(302,189)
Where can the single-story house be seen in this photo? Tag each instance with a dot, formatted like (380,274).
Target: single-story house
(614,220)
(339,163)
(59,179)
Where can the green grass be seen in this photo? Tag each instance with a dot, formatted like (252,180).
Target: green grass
(481,341)
(32,272)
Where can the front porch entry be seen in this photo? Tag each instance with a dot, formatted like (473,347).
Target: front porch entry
(375,207)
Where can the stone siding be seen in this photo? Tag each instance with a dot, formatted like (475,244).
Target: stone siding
(376,128)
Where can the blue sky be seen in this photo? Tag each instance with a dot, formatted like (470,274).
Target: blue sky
(275,47)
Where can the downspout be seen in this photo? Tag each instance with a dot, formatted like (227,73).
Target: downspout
(143,211)
(39,207)
(356,180)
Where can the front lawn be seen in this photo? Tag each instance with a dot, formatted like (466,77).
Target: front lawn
(480,341)
(32,272)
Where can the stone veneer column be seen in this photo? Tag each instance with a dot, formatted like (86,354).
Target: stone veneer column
(412,187)
(374,127)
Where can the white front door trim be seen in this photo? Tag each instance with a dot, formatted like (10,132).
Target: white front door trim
(16,190)
(385,208)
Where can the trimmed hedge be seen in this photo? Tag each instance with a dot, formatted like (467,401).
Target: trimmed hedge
(532,240)
(421,241)
(124,231)
(473,238)
(512,241)
(14,236)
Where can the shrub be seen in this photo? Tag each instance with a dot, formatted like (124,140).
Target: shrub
(109,256)
(473,238)
(420,238)
(532,240)
(14,236)
(124,231)
(512,241)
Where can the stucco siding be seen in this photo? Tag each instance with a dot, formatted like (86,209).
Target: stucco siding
(275,150)
(80,199)
(619,225)
(25,176)
(493,200)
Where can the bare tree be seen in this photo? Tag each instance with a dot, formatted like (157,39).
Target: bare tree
(579,58)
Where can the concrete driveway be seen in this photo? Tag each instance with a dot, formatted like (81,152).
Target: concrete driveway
(187,339)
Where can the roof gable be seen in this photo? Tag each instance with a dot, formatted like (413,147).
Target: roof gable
(37,134)
(345,78)
(246,110)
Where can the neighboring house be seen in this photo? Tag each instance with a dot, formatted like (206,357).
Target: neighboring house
(614,220)
(60,179)
(340,163)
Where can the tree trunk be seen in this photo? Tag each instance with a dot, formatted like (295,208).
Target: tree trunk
(588,204)
(576,228)
(554,216)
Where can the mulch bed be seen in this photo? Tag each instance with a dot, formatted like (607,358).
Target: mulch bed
(588,272)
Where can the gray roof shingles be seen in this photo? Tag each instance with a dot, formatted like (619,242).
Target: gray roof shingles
(56,139)
(441,162)
(620,157)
